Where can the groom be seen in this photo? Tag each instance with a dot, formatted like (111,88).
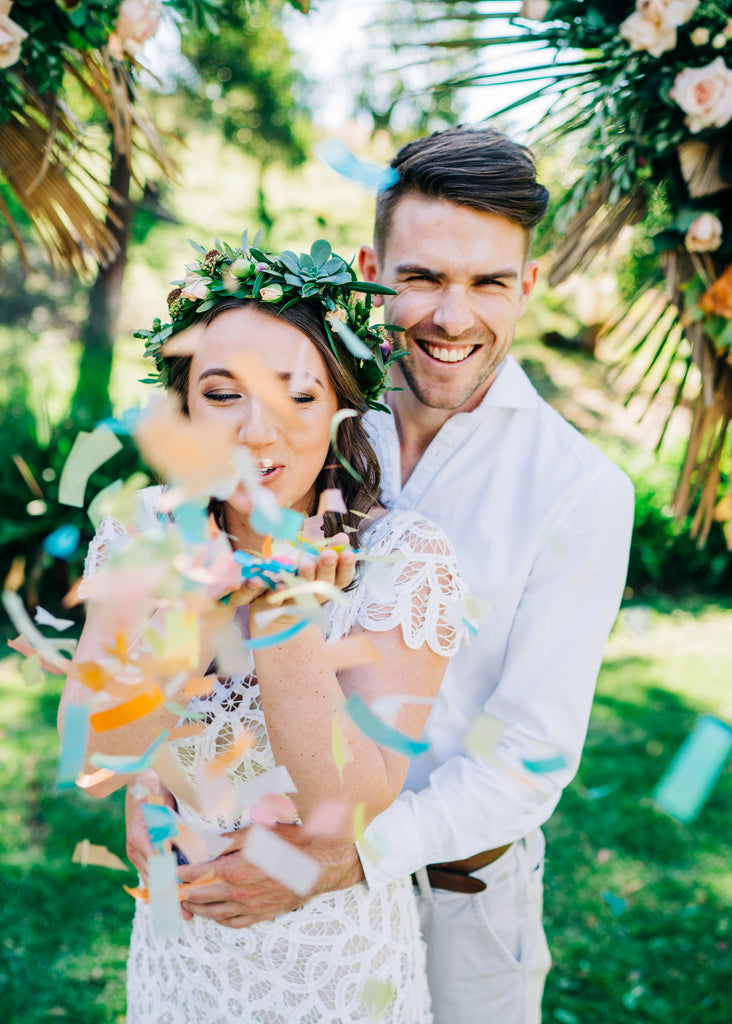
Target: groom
(541,523)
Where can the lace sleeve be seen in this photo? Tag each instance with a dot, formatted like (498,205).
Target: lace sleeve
(416,586)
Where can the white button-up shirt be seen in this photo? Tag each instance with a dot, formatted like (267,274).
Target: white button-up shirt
(541,523)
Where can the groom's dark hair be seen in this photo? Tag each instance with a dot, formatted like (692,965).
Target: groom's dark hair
(477,167)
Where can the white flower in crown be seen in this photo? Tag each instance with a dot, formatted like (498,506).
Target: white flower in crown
(194,286)
(705,95)
(704,234)
(11,36)
(338,314)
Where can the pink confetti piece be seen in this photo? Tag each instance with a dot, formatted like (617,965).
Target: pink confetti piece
(326,818)
(280,860)
(331,500)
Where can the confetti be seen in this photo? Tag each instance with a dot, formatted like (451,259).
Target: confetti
(338,418)
(546,765)
(377,995)
(122,764)
(352,651)
(31,670)
(86,853)
(372,177)
(73,745)
(280,860)
(88,453)
(161,823)
(163,892)
(616,903)
(63,542)
(326,818)
(128,711)
(378,731)
(341,748)
(684,789)
(331,500)
(44,618)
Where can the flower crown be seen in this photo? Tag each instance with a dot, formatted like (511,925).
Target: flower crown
(283,279)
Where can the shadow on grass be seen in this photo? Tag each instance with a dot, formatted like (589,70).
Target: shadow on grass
(637,904)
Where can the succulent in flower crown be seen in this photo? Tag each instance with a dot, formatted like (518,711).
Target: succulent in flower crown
(282,279)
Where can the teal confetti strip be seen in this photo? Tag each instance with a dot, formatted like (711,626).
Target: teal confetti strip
(259,643)
(547,764)
(73,746)
(88,453)
(377,730)
(121,764)
(163,889)
(161,824)
(192,517)
(683,790)
(616,903)
(352,341)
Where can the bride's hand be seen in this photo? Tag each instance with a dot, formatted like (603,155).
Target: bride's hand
(335,566)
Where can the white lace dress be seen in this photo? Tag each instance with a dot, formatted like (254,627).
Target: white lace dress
(311,965)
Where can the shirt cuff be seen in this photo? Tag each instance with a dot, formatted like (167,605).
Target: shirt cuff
(391,847)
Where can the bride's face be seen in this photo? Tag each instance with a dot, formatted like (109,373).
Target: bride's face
(289,456)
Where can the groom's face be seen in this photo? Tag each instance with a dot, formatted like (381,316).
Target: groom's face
(462,281)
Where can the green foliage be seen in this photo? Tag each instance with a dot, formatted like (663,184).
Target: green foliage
(248,86)
(29,480)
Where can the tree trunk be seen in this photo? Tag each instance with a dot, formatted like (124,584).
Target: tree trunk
(91,400)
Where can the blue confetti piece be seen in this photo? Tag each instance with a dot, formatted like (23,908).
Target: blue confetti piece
(268,570)
(284,524)
(161,824)
(192,517)
(548,764)
(259,643)
(469,626)
(341,159)
(121,764)
(63,542)
(377,730)
(73,746)
(163,889)
(684,789)
(616,903)
(126,424)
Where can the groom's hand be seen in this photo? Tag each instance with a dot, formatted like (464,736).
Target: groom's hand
(240,894)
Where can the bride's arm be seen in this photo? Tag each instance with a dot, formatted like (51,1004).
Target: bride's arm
(300,696)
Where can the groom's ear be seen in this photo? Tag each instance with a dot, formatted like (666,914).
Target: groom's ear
(367,263)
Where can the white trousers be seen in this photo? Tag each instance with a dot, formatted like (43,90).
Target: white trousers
(487,956)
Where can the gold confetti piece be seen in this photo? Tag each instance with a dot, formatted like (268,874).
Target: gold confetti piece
(89,452)
(351,651)
(184,732)
(342,753)
(86,853)
(32,670)
(359,823)
(377,995)
(16,575)
(128,711)
(483,735)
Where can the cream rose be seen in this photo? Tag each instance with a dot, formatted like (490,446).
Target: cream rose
(653,24)
(704,234)
(194,287)
(272,293)
(137,21)
(11,36)
(705,95)
(334,315)
(534,10)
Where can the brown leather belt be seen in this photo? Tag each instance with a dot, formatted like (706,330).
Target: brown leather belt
(456,875)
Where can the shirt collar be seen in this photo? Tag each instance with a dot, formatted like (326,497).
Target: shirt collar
(511,389)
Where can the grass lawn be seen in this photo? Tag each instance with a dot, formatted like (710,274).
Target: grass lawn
(637,905)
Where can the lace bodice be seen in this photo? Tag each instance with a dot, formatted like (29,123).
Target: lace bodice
(309,966)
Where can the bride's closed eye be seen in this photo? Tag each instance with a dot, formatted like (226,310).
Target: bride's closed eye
(302,399)
(221,396)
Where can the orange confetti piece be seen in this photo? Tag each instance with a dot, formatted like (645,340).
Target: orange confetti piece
(128,711)
(85,781)
(198,687)
(231,755)
(267,546)
(261,381)
(352,651)
(137,893)
(184,731)
(86,853)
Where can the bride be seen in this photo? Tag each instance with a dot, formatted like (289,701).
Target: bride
(305,320)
